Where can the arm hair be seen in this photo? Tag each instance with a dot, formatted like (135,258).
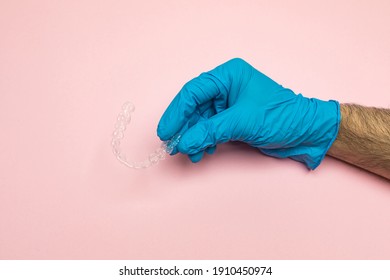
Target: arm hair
(364,138)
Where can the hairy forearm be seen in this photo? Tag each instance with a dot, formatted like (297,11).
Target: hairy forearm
(364,138)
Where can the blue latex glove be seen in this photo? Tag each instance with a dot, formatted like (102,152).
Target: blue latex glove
(235,102)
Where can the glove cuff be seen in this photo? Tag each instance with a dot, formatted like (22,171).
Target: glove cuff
(323,132)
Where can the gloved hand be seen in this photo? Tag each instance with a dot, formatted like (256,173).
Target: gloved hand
(235,102)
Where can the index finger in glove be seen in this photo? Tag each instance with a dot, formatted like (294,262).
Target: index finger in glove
(196,92)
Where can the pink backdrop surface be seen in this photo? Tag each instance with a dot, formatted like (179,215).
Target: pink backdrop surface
(66,67)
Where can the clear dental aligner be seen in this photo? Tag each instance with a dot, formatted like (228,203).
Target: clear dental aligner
(160,153)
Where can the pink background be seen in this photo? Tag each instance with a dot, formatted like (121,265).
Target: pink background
(66,67)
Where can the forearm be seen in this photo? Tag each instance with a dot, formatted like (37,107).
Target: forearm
(364,138)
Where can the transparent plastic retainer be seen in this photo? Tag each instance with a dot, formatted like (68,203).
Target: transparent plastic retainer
(123,120)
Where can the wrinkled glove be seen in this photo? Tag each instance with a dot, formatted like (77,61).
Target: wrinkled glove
(235,102)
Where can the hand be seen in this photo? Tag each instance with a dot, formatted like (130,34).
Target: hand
(235,102)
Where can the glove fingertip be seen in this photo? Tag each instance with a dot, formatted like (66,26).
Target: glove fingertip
(162,133)
(190,142)
(211,150)
(196,157)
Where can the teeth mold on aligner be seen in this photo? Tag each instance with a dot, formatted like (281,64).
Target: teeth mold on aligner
(160,153)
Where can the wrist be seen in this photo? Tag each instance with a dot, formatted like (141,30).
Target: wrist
(322,121)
